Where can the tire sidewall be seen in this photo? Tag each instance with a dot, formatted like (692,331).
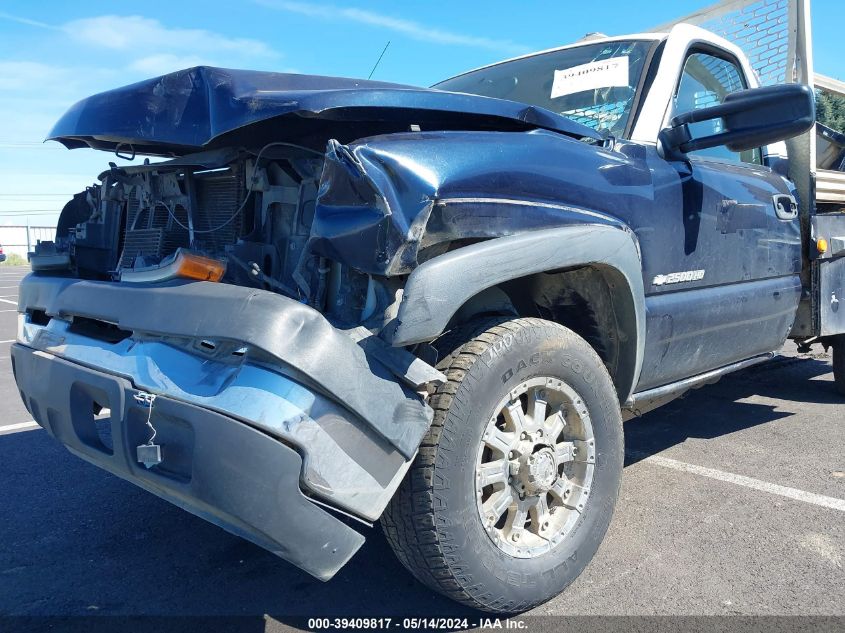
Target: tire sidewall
(489,574)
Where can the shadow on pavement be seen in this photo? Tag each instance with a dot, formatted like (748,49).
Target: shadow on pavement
(79,541)
(717,410)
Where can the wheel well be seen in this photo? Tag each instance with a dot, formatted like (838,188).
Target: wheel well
(593,301)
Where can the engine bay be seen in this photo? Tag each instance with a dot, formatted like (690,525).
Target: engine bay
(250,211)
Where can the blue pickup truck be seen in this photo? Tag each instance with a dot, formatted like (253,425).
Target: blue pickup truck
(331,302)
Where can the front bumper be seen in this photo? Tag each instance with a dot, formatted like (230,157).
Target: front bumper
(258,398)
(215,467)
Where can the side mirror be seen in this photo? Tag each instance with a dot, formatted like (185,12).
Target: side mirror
(750,118)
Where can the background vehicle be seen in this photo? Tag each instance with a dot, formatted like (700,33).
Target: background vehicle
(427,307)
(2,255)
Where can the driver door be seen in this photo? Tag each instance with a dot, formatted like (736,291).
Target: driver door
(720,267)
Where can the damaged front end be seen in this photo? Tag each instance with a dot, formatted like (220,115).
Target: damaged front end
(335,417)
(249,393)
(216,327)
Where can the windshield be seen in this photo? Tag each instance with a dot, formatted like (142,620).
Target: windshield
(593,84)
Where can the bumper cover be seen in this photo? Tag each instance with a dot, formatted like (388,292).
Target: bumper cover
(258,398)
(365,377)
(213,466)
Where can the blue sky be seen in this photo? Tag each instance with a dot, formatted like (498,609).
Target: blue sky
(55,53)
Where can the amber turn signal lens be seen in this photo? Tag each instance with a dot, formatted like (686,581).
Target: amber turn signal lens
(821,245)
(192,266)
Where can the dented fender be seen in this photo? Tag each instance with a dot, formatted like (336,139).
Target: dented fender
(438,288)
(385,203)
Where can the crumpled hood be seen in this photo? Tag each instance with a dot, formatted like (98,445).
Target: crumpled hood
(205,107)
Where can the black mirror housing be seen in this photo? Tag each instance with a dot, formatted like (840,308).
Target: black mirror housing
(751,118)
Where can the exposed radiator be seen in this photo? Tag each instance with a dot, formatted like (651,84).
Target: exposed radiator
(218,196)
(143,242)
(153,234)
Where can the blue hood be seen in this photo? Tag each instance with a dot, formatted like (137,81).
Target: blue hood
(205,107)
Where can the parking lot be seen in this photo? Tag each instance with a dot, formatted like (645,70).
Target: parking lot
(732,502)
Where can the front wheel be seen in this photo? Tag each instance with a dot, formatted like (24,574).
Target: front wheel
(514,486)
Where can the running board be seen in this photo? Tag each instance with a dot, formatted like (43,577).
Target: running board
(650,399)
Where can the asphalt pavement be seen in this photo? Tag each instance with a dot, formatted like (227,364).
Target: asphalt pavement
(732,502)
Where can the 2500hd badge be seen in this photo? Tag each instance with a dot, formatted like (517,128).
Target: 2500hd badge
(677,278)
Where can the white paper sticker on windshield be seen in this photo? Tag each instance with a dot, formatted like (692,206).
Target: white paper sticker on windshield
(607,73)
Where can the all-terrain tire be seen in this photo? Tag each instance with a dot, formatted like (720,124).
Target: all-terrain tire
(433,522)
(839,363)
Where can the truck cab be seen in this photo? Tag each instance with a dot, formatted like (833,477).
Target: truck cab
(721,228)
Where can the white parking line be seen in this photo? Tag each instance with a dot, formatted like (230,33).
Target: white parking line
(8,310)
(20,426)
(11,340)
(14,303)
(748,482)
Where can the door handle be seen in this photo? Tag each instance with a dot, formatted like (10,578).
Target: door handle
(786,208)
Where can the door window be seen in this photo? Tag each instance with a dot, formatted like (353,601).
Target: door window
(705,81)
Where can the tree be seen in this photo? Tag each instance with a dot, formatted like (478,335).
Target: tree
(830,110)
